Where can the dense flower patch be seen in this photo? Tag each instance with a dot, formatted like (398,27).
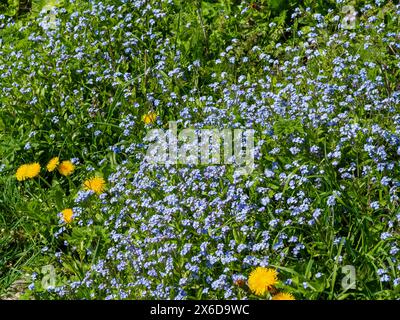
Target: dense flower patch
(90,80)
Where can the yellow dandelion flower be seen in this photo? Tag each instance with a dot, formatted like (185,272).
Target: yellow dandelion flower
(283,296)
(33,170)
(262,280)
(27,171)
(96,184)
(53,163)
(66,168)
(149,117)
(67,215)
(21,173)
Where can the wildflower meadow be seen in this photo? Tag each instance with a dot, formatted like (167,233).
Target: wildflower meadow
(202,149)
